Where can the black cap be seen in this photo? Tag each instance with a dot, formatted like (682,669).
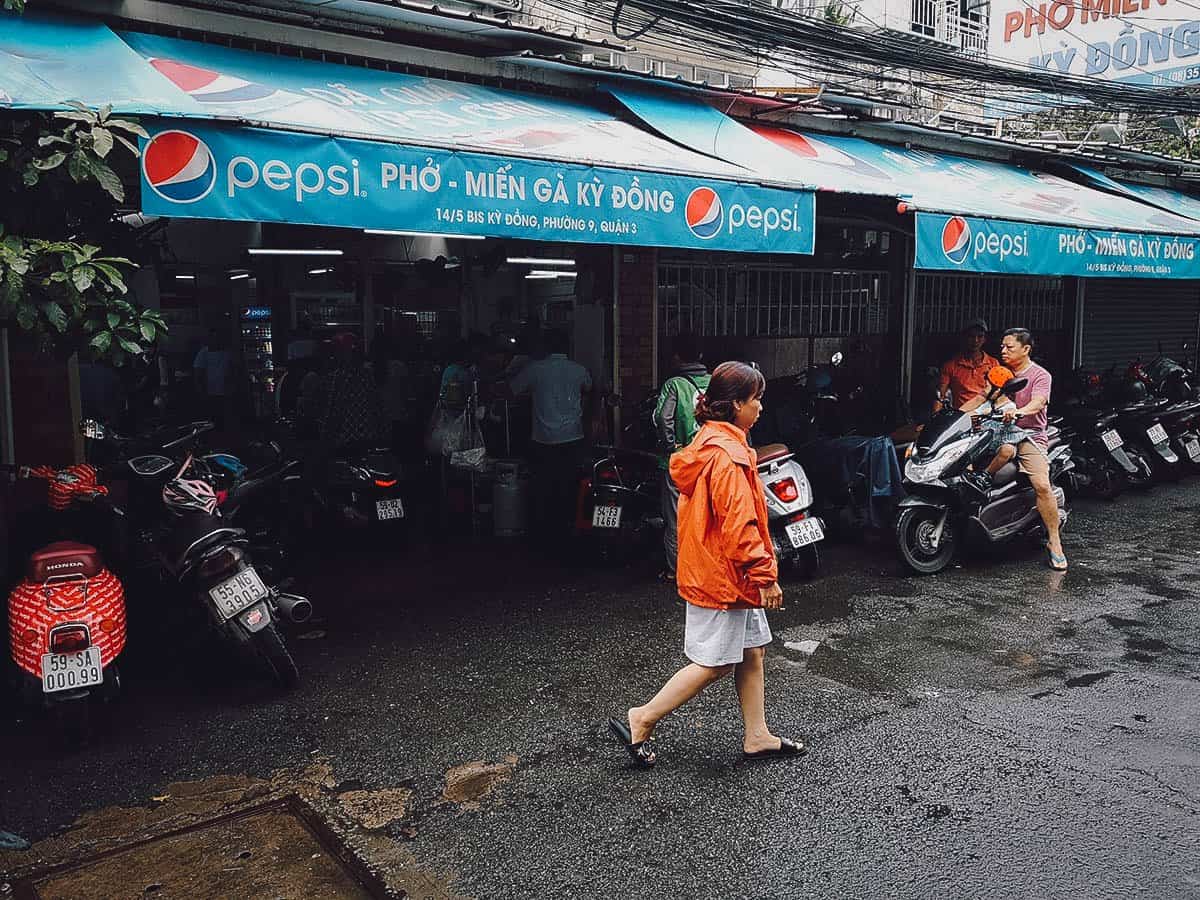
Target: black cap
(977,323)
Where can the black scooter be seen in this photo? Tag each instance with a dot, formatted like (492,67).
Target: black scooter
(945,507)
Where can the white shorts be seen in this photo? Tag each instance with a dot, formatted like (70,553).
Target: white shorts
(717,637)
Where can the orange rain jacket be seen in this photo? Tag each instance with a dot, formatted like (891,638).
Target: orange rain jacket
(725,548)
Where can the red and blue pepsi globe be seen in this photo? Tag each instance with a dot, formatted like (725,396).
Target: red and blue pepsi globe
(179,167)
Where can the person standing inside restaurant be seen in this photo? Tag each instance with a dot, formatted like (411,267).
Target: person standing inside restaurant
(965,374)
(557,386)
(212,371)
(727,573)
(675,422)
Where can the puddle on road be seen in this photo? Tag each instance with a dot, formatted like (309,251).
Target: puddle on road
(1088,678)
(467,784)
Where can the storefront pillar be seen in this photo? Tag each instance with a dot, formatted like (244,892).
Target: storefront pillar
(634,324)
(908,319)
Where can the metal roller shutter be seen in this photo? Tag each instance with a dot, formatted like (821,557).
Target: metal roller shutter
(1130,318)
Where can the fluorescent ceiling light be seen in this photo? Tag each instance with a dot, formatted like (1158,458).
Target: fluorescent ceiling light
(451,237)
(541,276)
(271,251)
(535,261)
(185,277)
(319,271)
(239,276)
(547,272)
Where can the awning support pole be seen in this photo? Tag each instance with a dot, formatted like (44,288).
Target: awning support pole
(1077,337)
(908,336)
(6,404)
(616,326)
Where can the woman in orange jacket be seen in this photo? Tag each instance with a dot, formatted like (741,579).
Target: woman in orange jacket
(727,571)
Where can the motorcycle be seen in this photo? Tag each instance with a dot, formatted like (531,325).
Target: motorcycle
(619,505)
(66,616)
(945,508)
(795,531)
(208,558)
(1139,422)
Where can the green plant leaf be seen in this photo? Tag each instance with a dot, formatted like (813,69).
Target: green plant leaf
(77,167)
(113,319)
(101,341)
(55,315)
(83,277)
(26,317)
(86,116)
(127,125)
(107,179)
(127,144)
(129,346)
(102,141)
(53,161)
(30,177)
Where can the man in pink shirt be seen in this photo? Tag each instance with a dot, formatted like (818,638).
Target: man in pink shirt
(1032,402)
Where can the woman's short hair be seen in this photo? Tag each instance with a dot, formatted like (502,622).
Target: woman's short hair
(731,381)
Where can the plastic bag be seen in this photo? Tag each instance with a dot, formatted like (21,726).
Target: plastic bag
(444,431)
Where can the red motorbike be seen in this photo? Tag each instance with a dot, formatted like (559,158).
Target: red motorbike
(66,616)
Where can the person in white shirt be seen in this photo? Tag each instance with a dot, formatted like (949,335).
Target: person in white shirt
(557,386)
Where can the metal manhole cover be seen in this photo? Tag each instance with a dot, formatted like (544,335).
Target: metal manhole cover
(279,849)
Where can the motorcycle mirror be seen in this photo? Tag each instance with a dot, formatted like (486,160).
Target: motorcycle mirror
(90,428)
(1013,386)
(836,359)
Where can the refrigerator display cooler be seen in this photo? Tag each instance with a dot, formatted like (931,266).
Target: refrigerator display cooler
(257,349)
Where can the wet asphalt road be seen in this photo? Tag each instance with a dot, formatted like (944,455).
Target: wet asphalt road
(996,731)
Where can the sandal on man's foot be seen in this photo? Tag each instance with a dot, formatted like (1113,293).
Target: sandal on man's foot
(642,752)
(1058,562)
(787,747)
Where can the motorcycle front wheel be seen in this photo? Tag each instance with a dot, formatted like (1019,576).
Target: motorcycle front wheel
(914,536)
(275,657)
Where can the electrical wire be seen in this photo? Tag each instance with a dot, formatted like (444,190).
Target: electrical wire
(807,46)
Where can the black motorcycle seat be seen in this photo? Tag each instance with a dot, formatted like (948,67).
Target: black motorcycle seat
(196,533)
(1145,406)
(1008,474)
(250,487)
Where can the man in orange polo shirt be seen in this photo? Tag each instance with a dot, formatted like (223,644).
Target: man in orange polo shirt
(965,374)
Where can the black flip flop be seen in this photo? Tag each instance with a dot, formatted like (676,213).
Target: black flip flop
(642,752)
(787,747)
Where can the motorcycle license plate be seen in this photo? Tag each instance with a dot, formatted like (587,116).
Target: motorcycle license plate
(65,671)
(1112,440)
(1193,449)
(242,590)
(606,517)
(1157,434)
(805,532)
(389,509)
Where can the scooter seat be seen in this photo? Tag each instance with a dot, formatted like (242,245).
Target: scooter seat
(64,558)
(772,452)
(1006,475)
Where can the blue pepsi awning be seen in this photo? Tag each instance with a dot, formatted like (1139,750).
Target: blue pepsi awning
(551,168)
(973,215)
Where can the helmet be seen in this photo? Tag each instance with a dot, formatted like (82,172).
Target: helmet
(999,376)
(189,495)
(1135,392)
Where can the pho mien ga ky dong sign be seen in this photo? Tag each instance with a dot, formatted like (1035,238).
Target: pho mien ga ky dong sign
(968,244)
(1154,42)
(199,170)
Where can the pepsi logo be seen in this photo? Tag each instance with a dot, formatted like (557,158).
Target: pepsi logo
(179,167)
(956,239)
(704,213)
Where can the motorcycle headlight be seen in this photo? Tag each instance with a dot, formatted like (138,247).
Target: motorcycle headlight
(932,469)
